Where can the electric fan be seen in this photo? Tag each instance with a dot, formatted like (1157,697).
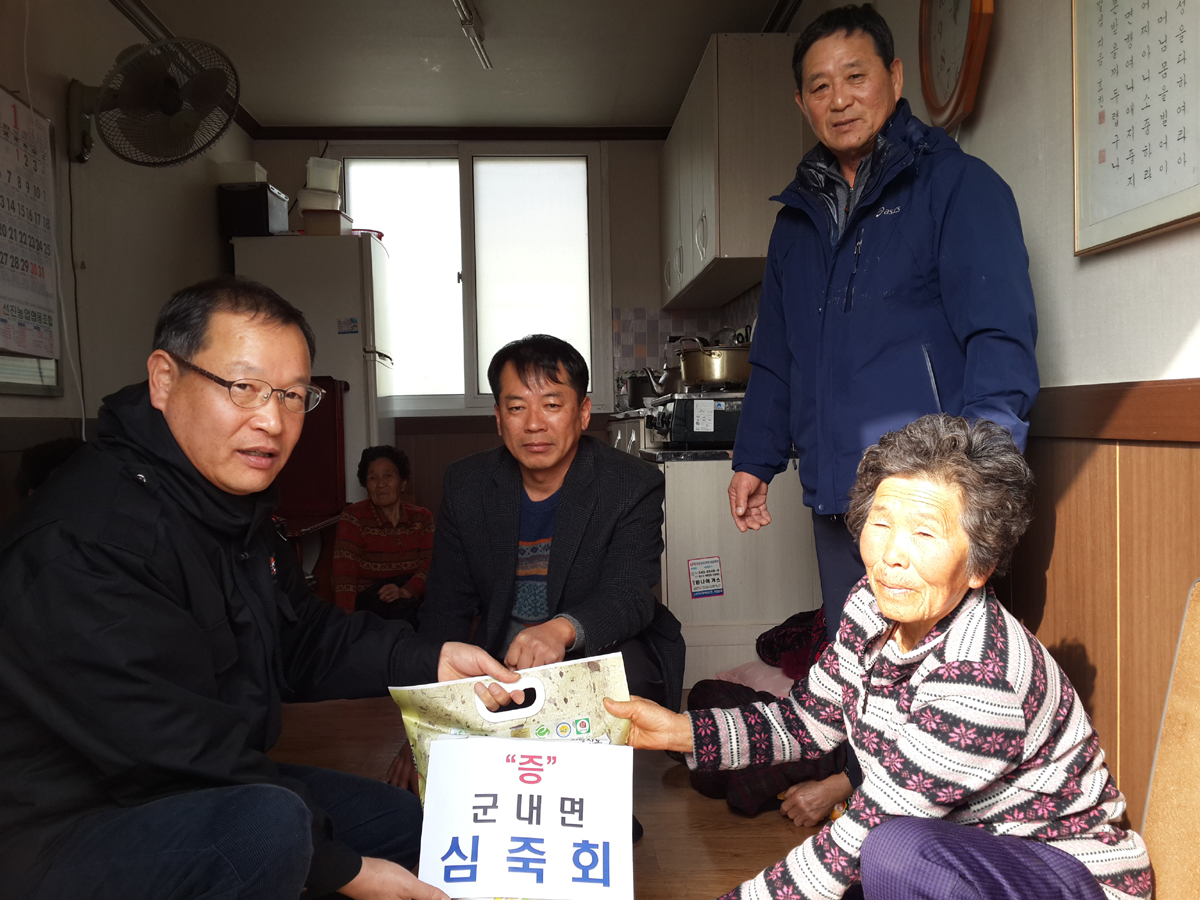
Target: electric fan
(163,103)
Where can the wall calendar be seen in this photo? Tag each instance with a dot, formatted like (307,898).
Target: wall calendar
(29,317)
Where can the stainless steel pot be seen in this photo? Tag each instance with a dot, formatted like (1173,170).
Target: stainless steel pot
(715,365)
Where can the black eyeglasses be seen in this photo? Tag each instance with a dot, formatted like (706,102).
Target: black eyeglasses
(250,393)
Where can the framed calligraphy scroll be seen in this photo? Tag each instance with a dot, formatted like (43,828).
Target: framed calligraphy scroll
(1137,119)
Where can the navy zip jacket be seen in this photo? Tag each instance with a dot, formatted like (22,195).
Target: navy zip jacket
(922,305)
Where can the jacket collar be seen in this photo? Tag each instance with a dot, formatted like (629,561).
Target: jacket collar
(574,510)
(132,429)
(901,141)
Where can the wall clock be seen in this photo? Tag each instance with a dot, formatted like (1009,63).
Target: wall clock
(954,37)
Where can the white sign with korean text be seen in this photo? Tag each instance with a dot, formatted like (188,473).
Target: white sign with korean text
(509,817)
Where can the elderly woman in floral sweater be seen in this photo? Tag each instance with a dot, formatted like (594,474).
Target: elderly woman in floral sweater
(983,776)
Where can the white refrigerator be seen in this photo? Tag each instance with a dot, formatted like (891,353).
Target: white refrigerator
(340,284)
(726,588)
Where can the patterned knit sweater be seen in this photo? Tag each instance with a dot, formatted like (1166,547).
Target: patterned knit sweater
(369,548)
(977,725)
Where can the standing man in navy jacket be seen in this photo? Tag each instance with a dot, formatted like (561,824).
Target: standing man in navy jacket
(897,284)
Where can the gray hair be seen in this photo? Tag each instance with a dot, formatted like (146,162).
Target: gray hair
(182,326)
(979,458)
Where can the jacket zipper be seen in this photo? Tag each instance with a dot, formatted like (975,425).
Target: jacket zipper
(932,381)
(853,272)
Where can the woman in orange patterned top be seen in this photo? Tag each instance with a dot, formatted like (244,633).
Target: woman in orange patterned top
(383,544)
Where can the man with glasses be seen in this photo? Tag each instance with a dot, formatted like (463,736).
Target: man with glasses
(151,622)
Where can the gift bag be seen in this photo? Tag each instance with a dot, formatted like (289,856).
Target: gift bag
(564,701)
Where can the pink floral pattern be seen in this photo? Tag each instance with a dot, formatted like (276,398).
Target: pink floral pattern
(962,735)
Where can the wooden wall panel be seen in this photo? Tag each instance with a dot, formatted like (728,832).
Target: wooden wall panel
(430,454)
(1065,576)
(1129,411)
(1160,558)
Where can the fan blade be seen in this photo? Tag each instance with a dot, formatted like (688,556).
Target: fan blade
(142,83)
(205,90)
(148,138)
(184,125)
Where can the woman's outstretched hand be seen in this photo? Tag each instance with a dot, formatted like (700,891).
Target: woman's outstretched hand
(654,727)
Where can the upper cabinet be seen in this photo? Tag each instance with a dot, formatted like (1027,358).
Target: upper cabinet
(735,143)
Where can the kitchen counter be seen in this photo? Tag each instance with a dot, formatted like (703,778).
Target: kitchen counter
(665,456)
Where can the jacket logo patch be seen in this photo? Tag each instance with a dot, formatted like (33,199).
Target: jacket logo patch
(884,211)
(273,572)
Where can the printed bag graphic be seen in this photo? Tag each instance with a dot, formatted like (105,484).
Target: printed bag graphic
(568,704)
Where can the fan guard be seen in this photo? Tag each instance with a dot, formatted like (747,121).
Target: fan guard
(166,102)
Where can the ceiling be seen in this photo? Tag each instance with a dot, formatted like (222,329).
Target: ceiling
(556,63)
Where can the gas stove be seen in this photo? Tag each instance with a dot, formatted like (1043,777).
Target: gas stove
(700,419)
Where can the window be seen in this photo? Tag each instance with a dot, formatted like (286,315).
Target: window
(415,203)
(531,252)
(486,243)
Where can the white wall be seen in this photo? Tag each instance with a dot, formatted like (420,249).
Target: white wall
(140,233)
(1129,314)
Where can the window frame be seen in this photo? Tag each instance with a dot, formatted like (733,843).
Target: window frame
(472,401)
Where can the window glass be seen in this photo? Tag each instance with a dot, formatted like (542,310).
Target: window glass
(415,203)
(531,253)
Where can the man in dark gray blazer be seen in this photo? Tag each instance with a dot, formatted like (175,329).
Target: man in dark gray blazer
(554,539)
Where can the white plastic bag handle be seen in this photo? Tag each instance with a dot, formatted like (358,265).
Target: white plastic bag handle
(507,713)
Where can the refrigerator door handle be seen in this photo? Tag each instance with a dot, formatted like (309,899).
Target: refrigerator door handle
(380,357)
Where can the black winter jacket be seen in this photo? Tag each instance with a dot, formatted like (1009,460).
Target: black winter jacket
(150,625)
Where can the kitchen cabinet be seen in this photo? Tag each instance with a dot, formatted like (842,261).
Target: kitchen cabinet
(735,143)
(766,575)
(628,433)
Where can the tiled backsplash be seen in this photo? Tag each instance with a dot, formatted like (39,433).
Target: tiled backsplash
(639,334)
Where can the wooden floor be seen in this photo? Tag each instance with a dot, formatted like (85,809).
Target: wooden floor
(693,847)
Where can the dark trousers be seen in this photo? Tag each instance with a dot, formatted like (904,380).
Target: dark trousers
(840,567)
(401,608)
(839,564)
(642,673)
(250,841)
(931,859)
